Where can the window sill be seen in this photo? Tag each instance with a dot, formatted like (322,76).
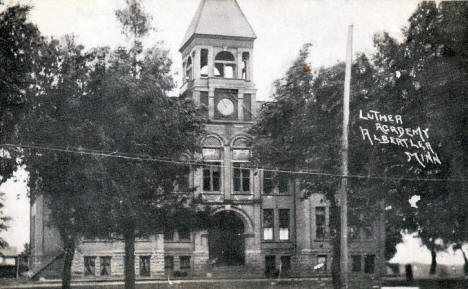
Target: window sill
(275,195)
(323,240)
(242,193)
(179,241)
(231,121)
(274,241)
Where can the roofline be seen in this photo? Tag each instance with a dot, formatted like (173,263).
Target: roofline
(214,36)
(246,20)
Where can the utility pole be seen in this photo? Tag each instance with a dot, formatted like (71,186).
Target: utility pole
(344,276)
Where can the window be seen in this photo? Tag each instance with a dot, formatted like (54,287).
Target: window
(212,177)
(241,154)
(241,178)
(212,169)
(282,184)
(284,224)
(320,223)
(183,180)
(268,223)
(225,65)
(204,100)
(353,232)
(368,231)
(204,62)
(369,264)
(184,262)
(211,154)
(274,183)
(270,264)
(321,263)
(268,183)
(105,265)
(145,262)
(247,107)
(90,265)
(168,234)
(184,234)
(169,263)
(188,69)
(356,263)
(245,64)
(285,264)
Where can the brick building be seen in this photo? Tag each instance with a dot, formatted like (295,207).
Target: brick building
(264,226)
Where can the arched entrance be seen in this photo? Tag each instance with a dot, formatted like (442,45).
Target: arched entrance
(226,239)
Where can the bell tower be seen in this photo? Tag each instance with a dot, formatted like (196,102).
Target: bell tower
(217,74)
(217,62)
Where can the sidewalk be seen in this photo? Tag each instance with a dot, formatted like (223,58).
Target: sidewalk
(296,283)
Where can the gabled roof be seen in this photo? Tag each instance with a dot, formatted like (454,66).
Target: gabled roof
(219,17)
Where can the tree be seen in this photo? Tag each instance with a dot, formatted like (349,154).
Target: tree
(3,222)
(56,124)
(301,130)
(26,253)
(136,118)
(89,102)
(412,79)
(18,53)
(431,65)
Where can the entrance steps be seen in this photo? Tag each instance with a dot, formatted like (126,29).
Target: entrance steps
(232,272)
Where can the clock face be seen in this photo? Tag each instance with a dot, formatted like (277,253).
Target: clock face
(225,106)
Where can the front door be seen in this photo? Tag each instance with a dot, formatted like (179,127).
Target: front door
(226,240)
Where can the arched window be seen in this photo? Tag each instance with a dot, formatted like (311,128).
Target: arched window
(212,156)
(188,69)
(225,65)
(225,56)
(241,176)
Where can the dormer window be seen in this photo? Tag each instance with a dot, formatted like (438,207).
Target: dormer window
(225,65)
(188,69)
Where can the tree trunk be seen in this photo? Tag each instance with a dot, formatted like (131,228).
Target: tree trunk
(335,225)
(69,247)
(432,271)
(129,238)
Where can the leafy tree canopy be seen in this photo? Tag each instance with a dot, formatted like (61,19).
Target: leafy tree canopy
(421,79)
(20,43)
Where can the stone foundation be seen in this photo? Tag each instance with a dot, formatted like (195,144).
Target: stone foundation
(157,264)
(253,259)
(200,261)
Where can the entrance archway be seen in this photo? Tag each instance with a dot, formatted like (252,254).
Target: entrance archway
(226,239)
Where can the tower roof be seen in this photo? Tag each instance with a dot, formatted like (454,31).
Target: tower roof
(221,18)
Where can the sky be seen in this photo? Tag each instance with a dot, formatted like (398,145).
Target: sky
(282,27)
